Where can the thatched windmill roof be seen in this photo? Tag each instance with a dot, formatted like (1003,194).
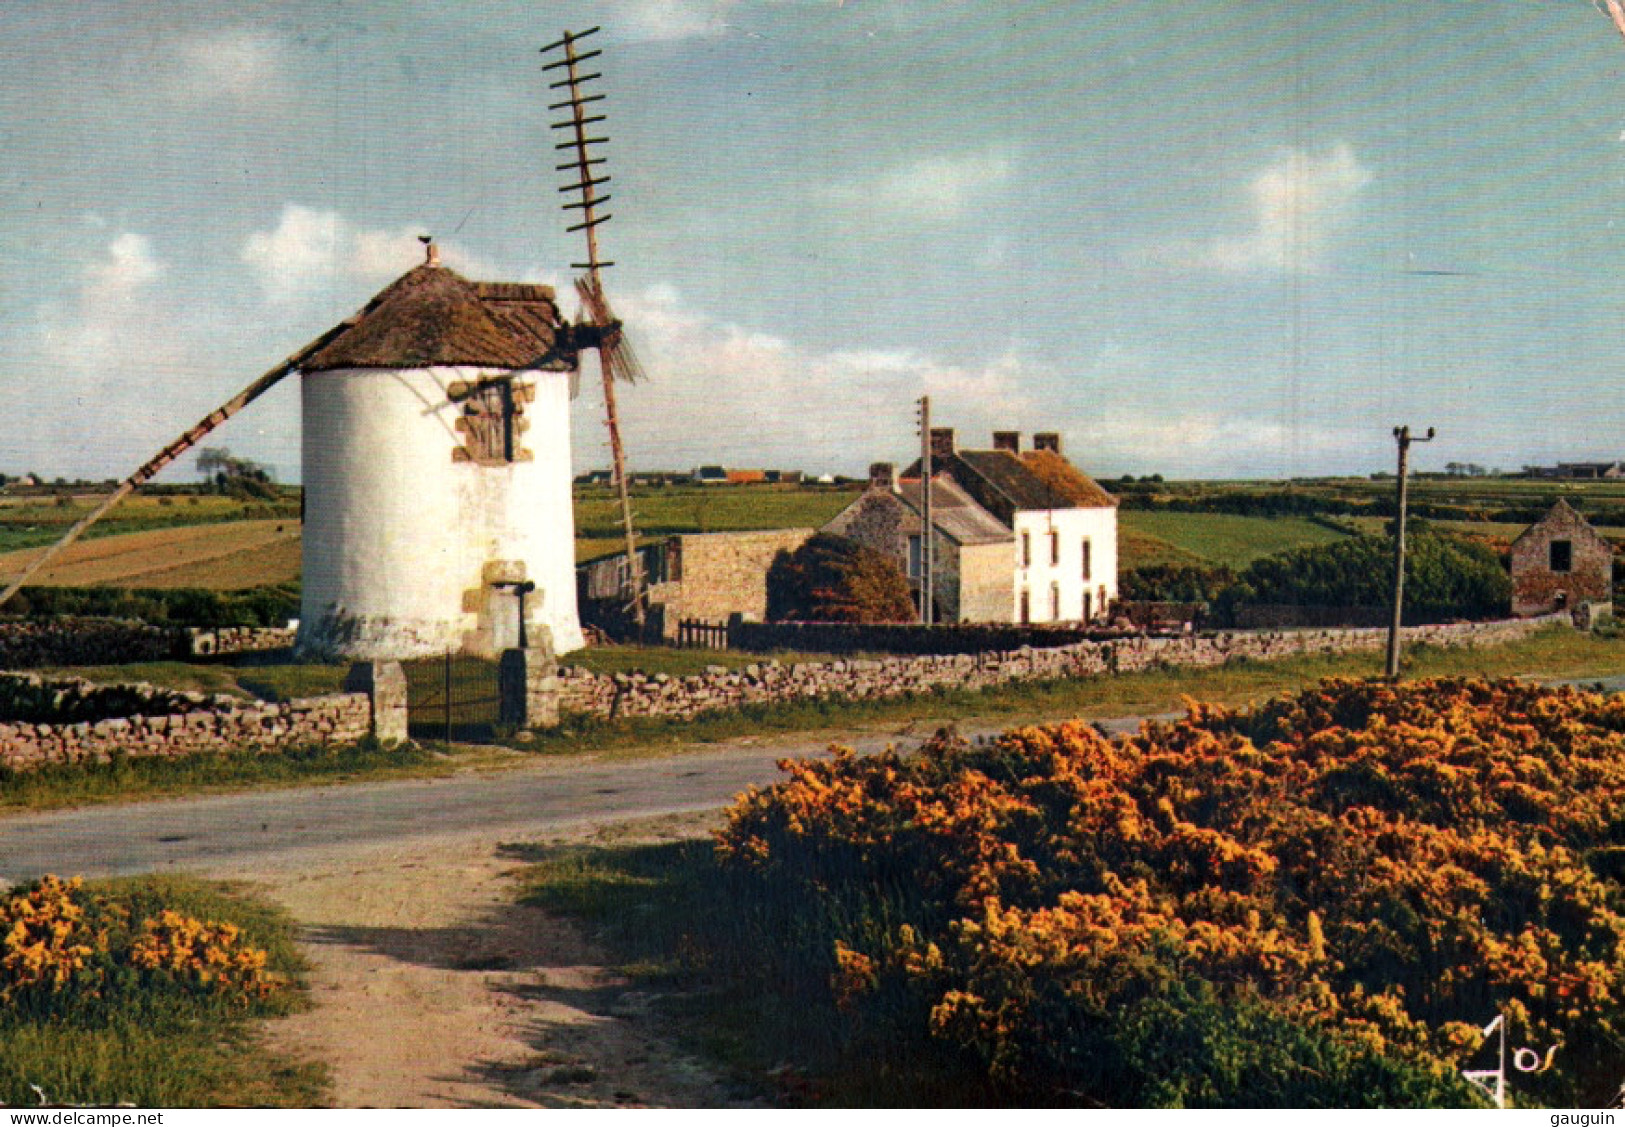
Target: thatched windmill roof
(434,317)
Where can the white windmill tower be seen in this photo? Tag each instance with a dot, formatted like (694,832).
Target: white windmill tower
(436,466)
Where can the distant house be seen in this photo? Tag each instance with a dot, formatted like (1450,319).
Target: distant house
(708,576)
(1591,471)
(746,477)
(974,554)
(1065,525)
(784,477)
(710,475)
(594,477)
(1559,563)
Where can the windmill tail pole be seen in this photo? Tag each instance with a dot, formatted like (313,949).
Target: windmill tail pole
(1614,10)
(169,453)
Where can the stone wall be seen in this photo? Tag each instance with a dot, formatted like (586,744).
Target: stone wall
(94,722)
(31,643)
(899,638)
(204,641)
(723,573)
(768,682)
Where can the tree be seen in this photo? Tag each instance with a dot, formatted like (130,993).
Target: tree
(234,476)
(1444,577)
(833,579)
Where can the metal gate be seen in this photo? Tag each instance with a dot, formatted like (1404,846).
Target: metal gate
(452,697)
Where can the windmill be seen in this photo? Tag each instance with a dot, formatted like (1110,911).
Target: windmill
(616,359)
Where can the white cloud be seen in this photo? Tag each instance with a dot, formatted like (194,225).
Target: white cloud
(312,253)
(1213,445)
(240,63)
(673,19)
(932,188)
(722,392)
(1301,203)
(122,364)
(128,265)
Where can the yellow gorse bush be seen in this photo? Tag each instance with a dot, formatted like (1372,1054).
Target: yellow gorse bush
(54,939)
(208,954)
(47,941)
(1391,865)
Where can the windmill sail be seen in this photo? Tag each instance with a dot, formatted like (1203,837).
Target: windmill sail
(174,450)
(586,175)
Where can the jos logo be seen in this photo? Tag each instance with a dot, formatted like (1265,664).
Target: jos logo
(1493,1081)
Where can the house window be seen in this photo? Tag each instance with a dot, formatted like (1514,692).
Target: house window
(1086,547)
(490,421)
(1055,602)
(1054,548)
(916,557)
(1102,600)
(1562,556)
(1088,609)
(1026,607)
(1026,549)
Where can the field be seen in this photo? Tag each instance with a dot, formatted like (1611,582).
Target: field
(1210,538)
(29,520)
(223,557)
(733,508)
(215,542)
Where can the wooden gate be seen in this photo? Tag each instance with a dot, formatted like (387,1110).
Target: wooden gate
(693,633)
(453,697)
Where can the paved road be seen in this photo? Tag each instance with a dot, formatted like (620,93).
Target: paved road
(240,830)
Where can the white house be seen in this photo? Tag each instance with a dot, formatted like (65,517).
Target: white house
(1065,525)
(436,465)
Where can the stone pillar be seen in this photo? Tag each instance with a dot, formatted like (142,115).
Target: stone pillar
(528,683)
(384,682)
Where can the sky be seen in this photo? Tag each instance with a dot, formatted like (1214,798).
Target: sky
(1239,239)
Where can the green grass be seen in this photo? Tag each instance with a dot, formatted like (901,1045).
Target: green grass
(655,907)
(166,1049)
(136,779)
(251,677)
(684,663)
(1221,538)
(720,508)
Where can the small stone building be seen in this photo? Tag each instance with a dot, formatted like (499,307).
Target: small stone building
(1559,563)
(972,552)
(707,576)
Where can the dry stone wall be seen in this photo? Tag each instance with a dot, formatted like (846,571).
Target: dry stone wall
(769,682)
(31,643)
(203,642)
(74,721)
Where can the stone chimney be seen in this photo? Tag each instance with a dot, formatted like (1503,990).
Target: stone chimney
(1047,440)
(942,442)
(1007,440)
(883,476)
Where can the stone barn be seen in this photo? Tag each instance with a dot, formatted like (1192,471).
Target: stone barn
(1559,563)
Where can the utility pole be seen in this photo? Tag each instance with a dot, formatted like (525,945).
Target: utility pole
(1403,438)
(926,552)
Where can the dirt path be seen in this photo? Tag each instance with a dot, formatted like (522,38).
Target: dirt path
(433,989)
